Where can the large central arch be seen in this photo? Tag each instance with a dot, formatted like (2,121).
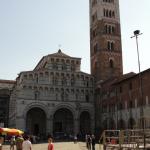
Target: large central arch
(63,121)
(36,121)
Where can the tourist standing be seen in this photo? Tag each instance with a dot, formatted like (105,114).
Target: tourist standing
(1,142)
(19,142)
(12,143)
(86,140)
(93,142)
(75,139)
(26,145)
(89,142)
(50,145)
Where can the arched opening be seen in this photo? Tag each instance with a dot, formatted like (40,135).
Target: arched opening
(36,121)
(85,123)
(63,122)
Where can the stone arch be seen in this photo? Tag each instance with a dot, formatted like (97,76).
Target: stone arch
(67,106)
(63,121)
(36,125)
(35,104)
(62,107)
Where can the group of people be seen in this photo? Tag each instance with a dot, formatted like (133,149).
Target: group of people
(24,143)
(90,142)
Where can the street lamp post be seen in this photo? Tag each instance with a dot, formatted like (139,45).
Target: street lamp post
(136,34)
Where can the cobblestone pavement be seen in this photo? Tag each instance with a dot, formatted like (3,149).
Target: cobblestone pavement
(58,146)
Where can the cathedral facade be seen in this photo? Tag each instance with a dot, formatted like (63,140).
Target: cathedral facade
(54,97)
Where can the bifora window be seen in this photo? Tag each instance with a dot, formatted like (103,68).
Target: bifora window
(109,13)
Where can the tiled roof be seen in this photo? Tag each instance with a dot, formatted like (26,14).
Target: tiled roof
(7,81)
(124,77)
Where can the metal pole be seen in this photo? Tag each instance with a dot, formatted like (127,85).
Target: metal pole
(136,34)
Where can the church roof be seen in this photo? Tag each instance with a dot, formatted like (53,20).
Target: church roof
(59,54)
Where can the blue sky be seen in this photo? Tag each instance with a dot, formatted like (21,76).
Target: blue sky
(30,29)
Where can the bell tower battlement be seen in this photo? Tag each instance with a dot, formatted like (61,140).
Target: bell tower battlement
(105,39)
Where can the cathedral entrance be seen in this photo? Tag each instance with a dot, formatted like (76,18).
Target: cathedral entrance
(85,123)
(63,122)
(36,121)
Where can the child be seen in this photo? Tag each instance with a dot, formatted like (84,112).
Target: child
(50,145)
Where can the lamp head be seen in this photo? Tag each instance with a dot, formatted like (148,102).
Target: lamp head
(136,32)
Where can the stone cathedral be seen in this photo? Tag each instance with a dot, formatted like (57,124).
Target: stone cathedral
(56,96)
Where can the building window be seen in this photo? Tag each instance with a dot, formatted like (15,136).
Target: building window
(94,2)
(108,13)
(94,33)
(36,95)
(130,104)
(94,17)
(87,98)
(130,86)
(109,29)
(95,48)
(110,45)
(96,65)
(108,1)
(111,63)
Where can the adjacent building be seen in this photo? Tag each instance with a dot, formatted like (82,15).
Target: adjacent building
(124,102)
(6,87)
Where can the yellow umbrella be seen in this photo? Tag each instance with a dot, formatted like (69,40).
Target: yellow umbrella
(4,130)
(9,131)
(15,132)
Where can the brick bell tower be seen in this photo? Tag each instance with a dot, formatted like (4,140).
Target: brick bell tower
(105,39)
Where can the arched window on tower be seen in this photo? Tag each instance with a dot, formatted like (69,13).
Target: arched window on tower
(110,13)
(109,29)
(95,48)
(107,13)
(111,63)
(113,14)
(110,45)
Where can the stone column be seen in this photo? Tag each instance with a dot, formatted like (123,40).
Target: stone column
(49,125)
(76,126)
(21,123)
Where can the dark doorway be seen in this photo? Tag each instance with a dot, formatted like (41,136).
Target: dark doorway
(63,121)
(36,129)
(36,121)
(58,126)
(85,123)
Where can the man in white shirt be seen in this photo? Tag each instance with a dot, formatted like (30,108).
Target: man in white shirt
(26,145)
